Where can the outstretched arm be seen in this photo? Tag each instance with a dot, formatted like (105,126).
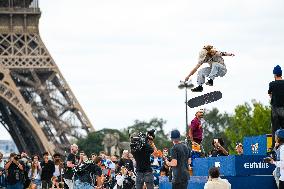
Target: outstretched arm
(193,71)
(226,54)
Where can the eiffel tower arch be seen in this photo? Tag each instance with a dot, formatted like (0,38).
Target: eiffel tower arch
(37,107)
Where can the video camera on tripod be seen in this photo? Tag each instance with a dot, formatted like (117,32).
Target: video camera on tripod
(139,140)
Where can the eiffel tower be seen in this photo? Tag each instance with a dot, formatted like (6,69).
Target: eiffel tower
(37,107)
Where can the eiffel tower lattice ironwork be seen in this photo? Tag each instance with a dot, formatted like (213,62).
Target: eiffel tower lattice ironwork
(37,107)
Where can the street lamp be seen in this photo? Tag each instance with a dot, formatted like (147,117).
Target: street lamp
(186,85)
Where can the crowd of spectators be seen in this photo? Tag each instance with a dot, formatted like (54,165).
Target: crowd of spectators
(78,170)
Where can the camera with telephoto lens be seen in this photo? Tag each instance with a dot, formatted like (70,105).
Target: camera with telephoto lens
(128,182)
(267,160)
(139,140)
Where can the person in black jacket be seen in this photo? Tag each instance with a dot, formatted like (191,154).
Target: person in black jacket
(48,169)
(15,170)
(276,92)
(143,164)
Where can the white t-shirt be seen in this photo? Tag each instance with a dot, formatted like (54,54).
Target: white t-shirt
(281,163)
(217,183)
(2,164)
(57,171)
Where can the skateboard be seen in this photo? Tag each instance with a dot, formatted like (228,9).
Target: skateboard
(204,99)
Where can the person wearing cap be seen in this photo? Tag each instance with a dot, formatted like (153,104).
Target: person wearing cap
(276,92)
(217,67)
(195,128)
(179,163)
(279,162)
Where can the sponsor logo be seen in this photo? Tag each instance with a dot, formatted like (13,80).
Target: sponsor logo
(217,164)
(254,148)
(255,165)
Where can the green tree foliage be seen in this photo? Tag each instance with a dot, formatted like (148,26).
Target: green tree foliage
(93,142)
(161,141)
(248,121)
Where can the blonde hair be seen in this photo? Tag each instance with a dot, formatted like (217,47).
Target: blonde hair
(208,47)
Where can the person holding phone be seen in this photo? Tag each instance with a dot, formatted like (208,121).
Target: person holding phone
(218,149)
(35,172)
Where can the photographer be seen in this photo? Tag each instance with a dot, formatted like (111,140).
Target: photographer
(179,163)
(142,155)
(125,179)
(14,171)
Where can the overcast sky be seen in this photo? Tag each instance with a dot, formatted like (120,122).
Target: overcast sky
(123,59)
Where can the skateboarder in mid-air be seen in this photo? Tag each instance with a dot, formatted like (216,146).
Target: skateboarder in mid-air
(217,67)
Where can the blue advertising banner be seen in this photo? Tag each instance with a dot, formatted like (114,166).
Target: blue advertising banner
(252,182)
(244,165)
(200,167)
(193,183)
(256,145)
(238,182)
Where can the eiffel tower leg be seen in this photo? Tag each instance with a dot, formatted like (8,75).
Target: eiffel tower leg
(37,106)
